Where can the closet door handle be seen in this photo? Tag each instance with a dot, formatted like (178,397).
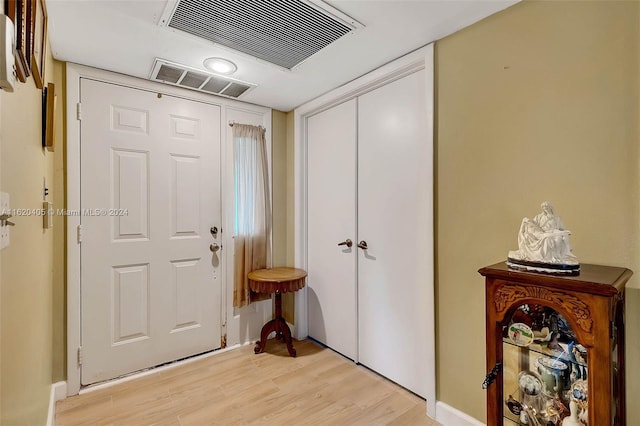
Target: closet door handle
(363,245)
(346,242)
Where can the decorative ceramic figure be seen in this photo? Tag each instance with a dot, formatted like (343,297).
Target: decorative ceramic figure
(569,358)
(572,420)
(584,417)
(543,245)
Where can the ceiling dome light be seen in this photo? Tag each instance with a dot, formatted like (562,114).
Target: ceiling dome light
(220,65)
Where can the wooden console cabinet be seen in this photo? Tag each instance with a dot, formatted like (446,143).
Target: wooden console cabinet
(555,343)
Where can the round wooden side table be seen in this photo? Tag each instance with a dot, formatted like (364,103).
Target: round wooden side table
(278,281)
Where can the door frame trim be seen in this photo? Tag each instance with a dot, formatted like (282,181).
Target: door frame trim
(422,58)
(74,74)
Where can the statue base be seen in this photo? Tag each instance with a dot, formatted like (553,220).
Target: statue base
(544,268)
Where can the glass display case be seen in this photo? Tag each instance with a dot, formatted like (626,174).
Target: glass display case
(544,368)
(555,347)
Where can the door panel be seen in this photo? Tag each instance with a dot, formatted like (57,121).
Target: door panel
(392,321)
(131,192)
(150,191)
(185,175)
(130,306)
(331,280)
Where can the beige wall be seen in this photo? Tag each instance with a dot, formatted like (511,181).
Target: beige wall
(290,189)
(538,102)
(282,162)
(27,264)
(279,185)
(59,232)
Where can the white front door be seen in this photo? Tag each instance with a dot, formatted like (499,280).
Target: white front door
(150,193)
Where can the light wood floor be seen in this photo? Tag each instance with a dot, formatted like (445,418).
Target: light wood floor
(238,387)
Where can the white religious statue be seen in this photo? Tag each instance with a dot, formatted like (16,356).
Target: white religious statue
(543,245)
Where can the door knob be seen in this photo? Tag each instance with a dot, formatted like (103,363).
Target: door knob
(363,245)
(214,247)
(346,242)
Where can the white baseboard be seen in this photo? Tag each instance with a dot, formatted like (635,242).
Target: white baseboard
(449,416)
(58,393)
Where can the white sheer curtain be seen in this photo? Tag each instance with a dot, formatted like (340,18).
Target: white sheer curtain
(252,249)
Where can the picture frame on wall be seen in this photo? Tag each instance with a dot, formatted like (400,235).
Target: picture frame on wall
(49,100)
(39,25)
(27,29)
(20,13)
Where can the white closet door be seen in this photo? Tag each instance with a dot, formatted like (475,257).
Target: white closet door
(392,150)
(332,219)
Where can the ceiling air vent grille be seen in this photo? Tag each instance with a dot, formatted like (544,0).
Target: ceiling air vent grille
(191,78)
(283,32)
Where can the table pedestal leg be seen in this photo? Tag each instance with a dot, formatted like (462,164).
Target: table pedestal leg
(277,325)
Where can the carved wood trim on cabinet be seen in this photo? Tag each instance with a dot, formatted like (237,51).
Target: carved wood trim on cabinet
(506,294)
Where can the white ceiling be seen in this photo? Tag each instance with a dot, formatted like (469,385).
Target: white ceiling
(124,36)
